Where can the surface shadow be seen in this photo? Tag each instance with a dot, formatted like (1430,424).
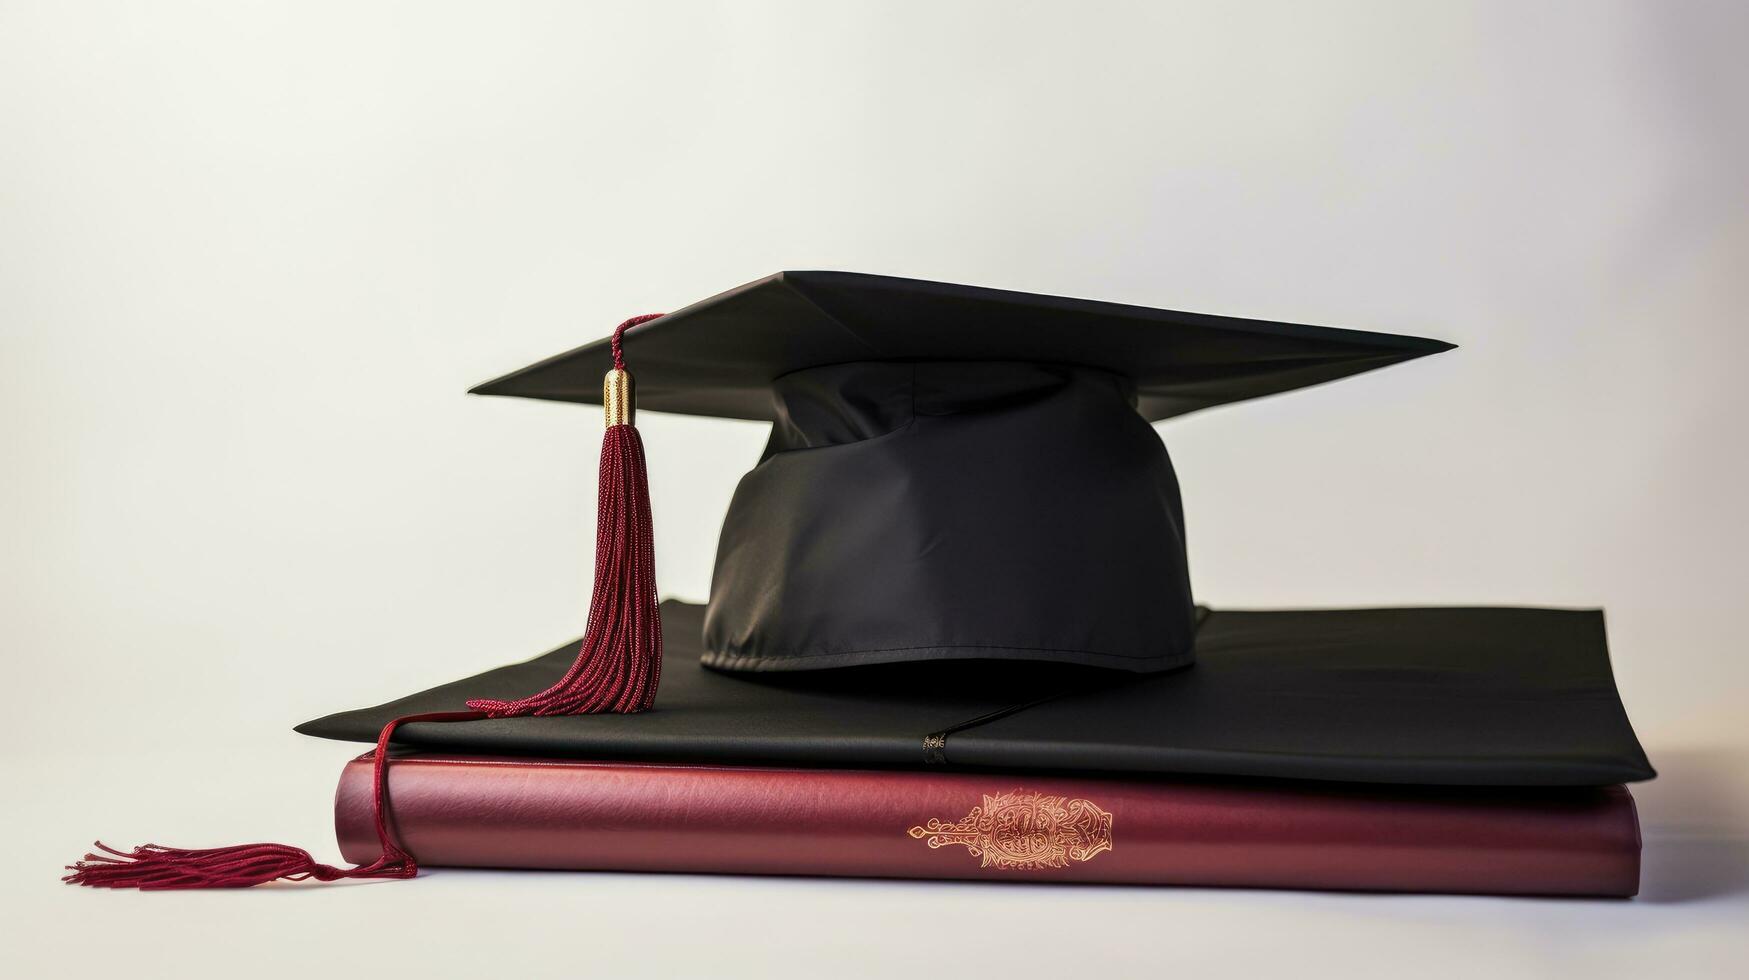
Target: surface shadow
(1676,871)
(1693,820)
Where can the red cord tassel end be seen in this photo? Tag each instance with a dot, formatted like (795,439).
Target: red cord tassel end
(154,867)
(617,668)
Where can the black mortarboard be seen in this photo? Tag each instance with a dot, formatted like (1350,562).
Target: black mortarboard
(953,472)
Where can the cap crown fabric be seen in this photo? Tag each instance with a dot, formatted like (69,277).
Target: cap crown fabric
(949,510)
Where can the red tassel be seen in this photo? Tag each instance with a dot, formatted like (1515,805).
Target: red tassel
(618,666)
(619,662)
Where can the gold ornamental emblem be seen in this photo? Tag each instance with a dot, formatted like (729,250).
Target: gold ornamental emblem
(1025,830)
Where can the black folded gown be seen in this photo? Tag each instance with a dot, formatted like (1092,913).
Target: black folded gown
(1428,696)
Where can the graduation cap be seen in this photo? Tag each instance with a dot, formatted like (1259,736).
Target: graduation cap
(964,524)
(953,472)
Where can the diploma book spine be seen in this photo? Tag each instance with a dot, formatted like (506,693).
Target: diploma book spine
(520,813)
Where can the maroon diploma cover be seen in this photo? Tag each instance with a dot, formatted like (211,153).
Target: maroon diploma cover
(536,813)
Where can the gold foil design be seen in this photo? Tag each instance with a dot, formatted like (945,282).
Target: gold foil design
(616,398)
(1019,830)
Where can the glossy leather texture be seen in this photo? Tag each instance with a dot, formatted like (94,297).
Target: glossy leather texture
(483,812)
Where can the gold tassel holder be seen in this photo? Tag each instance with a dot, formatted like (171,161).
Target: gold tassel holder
(616,398)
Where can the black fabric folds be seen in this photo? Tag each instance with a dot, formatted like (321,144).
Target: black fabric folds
(1438,696)
(935,511)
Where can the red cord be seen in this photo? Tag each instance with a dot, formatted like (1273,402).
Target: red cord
(619,361)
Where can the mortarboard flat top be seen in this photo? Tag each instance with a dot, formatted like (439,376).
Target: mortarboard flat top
(718,356)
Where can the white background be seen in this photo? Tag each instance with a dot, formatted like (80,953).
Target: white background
(252,254)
